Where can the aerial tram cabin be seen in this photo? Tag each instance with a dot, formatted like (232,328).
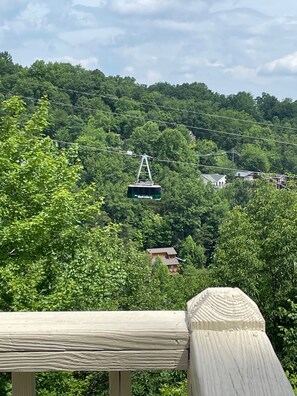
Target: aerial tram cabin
(144,189)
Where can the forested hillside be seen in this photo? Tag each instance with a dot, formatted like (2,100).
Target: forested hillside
(71,141)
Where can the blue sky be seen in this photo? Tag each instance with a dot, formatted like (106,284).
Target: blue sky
(230,45)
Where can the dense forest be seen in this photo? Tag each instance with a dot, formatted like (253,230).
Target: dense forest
(71,239)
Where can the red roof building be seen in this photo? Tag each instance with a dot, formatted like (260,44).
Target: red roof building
(167,255)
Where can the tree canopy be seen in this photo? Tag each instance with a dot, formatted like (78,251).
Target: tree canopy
(70,143)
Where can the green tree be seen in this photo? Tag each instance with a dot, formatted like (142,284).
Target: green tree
(268,105)
(144,138)
(156,232)
(43,215)
(6,63)
(192,253)
(173,145)
(254,158)
(180,390)
(53,254)
(257,252)
(239,192)
(244,101)
(205,150)
(288,334)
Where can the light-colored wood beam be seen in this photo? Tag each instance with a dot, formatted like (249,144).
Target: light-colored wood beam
(230,351)
(120,383)
(93,341)
(95,361)
(224,329)
(87,331)
(114,383)
(23,384)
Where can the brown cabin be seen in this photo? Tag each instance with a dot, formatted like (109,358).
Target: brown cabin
(168,256)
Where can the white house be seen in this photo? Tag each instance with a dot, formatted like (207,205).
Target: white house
(218,181)
(247,175)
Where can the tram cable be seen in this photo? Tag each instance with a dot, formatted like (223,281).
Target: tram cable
(167,161)
(179,110)
(173,124)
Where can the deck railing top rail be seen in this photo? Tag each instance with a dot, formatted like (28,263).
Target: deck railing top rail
(220,340)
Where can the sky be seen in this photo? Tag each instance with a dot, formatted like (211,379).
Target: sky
(230,45)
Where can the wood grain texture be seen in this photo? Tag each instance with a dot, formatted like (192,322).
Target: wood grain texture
(93,331)
(224,308)
(230,352)
(120,383)
(108,340)
(23,384)
(236,363)
(93,341)
(125,383)
(94,361)
(114,383)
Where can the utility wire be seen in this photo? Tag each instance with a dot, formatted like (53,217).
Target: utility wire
(214,154)
(172,124)
(110,150)
(93,148)
(154,105)
(131,154)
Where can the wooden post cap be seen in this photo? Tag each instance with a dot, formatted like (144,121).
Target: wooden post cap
(224,308)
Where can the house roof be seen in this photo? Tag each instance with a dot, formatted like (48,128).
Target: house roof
(172,261)
(281,177)
(168,250)
(244,173)
(213,177)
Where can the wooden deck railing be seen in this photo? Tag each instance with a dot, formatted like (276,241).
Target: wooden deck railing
(220,340)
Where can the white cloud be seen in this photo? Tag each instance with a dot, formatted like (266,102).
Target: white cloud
(189,77)
(90,3)
(103,36)
(190,64)
(34,15)
(230,45)
(284,65)
(274,8)
(8,5)
(145,54)
(140,6)
(153,76)
(214,64)
(288,21)
(88,63)
(175,25)
(129,70)
(241,72)
(85,19)
(223,5)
